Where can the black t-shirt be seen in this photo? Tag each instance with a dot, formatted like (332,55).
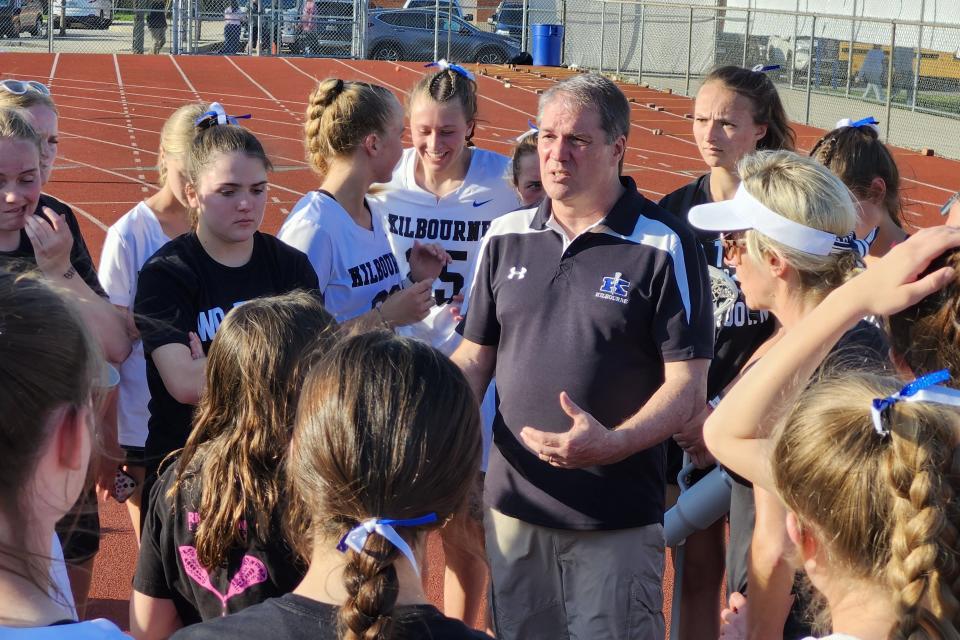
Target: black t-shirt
(597,318)
(24,257)
(741,330)
(294,617)
(168,566)
(157,17)
(182,289)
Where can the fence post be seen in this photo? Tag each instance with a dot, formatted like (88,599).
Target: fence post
(436,31)
(813,35)
(893,46)
(619,37)
(563,39)
(175,27)
(796,34)
(603,26)
(916,72)
(746,39)
(689,46)
(643,14)
(523,26)
(449,25)
(50,26)
(853,24)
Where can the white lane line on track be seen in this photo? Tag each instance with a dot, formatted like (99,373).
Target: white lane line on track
(126,114)
(183,75)
(296,118)
(167,91)
(53,68)
(89,216)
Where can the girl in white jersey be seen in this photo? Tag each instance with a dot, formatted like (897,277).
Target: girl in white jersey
(131,240)
(444,190)
(49,365)
(352,137)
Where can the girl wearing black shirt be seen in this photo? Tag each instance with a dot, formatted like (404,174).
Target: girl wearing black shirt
(195,562)
(193,281)
(736,112)
(385,428)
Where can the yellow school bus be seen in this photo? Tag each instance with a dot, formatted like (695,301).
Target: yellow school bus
(933,64)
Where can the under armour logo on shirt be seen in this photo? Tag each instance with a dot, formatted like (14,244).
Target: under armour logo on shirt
(518,274)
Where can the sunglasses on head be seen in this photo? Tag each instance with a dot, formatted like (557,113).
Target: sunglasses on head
(20,87)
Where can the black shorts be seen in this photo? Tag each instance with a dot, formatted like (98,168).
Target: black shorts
(135,456)
(79,530)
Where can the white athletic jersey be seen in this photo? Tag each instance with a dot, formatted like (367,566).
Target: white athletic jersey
(457,221)
(130,242)
(355,266)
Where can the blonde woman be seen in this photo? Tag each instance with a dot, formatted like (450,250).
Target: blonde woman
(353,132)
(881,548)
(788,231)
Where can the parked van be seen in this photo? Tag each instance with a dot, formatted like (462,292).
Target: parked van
(96,14)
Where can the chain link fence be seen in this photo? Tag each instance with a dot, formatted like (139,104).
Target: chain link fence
(395,30)
(904,73)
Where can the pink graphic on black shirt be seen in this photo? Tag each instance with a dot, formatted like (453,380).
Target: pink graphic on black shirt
(252,572)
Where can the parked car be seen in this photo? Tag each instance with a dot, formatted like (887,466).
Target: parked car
(407,34)
(17,16)
(96,14)
(446,6)
(507,20)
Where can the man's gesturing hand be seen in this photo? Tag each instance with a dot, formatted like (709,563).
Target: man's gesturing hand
(588,443)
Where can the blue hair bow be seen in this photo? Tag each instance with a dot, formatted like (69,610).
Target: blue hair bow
(869,121)
(444,65)
(850,242)
(218,115)
(763,68)
(532,131)
(923,389)
(356,538)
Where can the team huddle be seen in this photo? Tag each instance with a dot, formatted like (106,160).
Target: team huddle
(525,355)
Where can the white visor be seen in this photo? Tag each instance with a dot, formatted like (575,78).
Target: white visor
(746,212)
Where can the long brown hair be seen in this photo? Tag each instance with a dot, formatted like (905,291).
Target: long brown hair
(386,427)
(856,156)
(927,334)
(884,509)
(242,427)
(767,107)
(47,360)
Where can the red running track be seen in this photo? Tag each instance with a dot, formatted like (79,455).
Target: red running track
(112,108)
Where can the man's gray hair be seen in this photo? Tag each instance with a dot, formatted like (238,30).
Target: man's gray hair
(591,90)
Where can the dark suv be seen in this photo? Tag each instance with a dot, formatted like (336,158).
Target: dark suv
(407,34)
(17,16)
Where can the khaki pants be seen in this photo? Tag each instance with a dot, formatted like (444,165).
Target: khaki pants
(583,585)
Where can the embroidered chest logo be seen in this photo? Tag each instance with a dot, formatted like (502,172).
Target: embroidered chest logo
(519,274)
(614,288)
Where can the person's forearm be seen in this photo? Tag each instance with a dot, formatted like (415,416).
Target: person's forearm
(104,320)
(477,367)
(185,384)
(754,405)
(674,404)
(771,575)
